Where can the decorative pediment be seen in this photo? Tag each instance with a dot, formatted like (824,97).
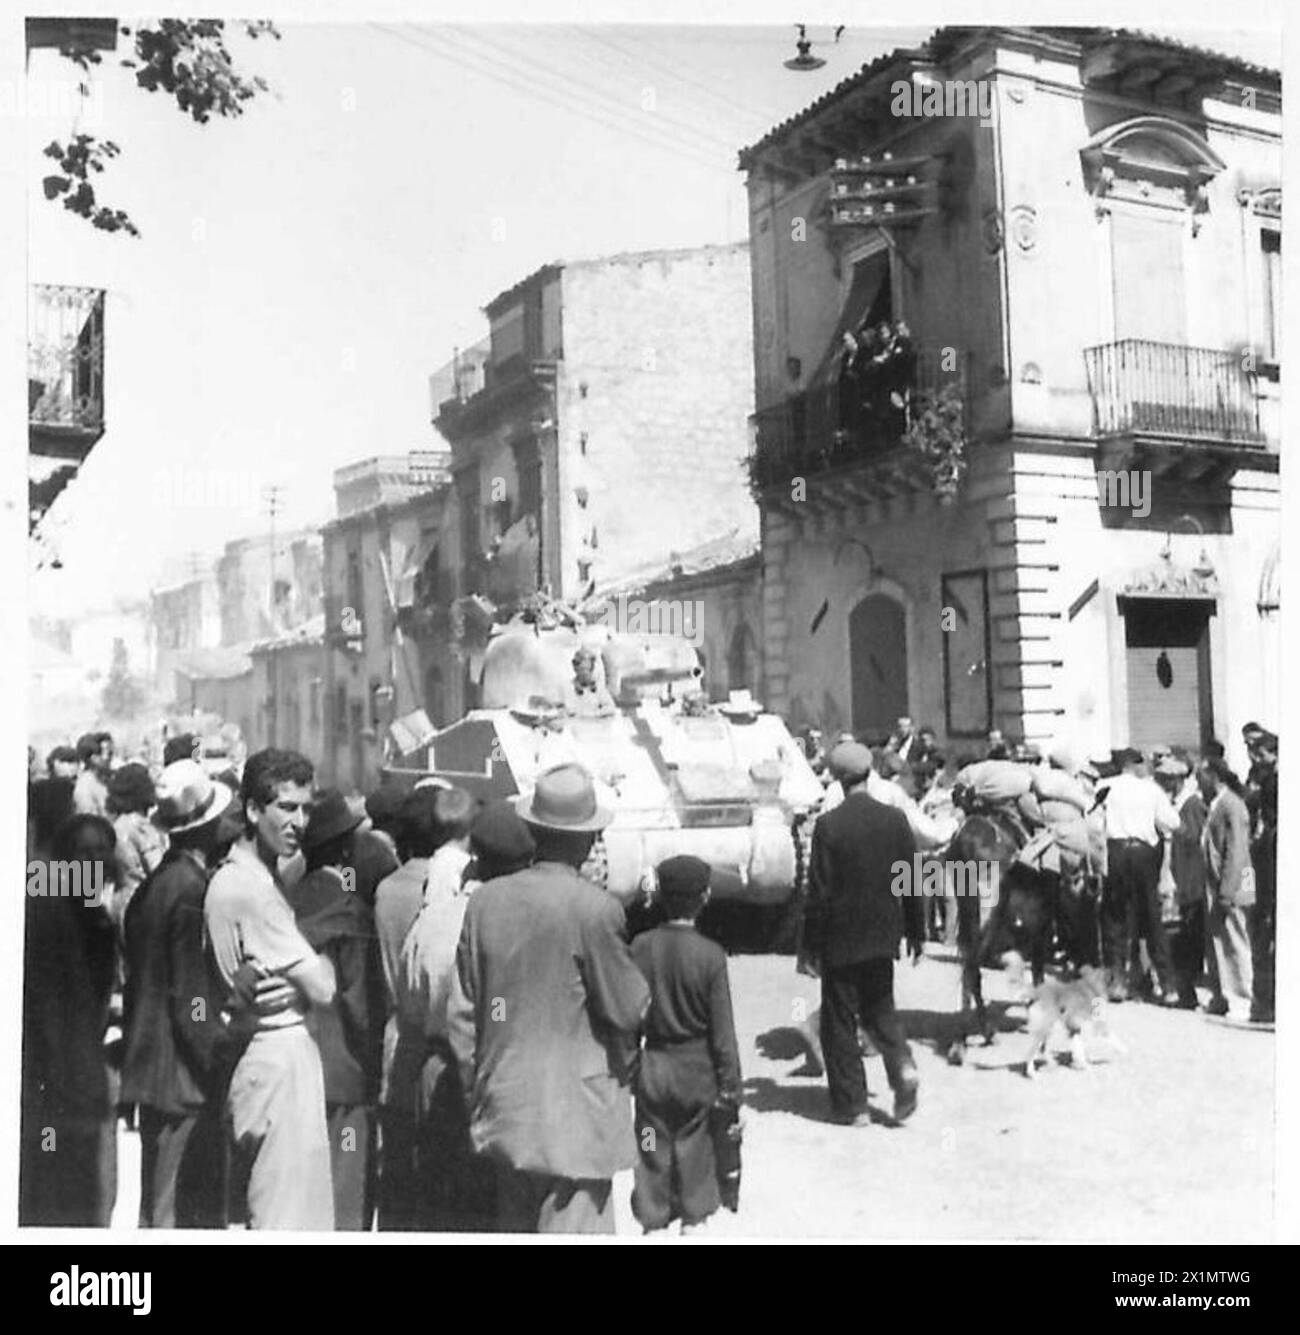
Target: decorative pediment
(1152,159)
(1168,579)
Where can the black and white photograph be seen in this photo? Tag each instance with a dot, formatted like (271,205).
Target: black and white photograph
(650,624)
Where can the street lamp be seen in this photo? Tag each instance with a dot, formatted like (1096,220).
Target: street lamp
(805,60)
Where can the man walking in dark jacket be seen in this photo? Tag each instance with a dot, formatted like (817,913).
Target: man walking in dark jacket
(853,928)
(177,1046)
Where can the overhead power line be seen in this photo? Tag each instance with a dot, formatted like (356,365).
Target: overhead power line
(643,57)
(603,100)
(486,68)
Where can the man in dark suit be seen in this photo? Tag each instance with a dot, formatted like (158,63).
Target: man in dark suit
(853,926)
(177,1046)
(543,1016)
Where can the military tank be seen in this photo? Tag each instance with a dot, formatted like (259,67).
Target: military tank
(725,782)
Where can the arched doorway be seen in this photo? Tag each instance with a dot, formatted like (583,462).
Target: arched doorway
(878,664)
(742,660)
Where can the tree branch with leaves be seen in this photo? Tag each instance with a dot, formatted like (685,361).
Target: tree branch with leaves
(184,58)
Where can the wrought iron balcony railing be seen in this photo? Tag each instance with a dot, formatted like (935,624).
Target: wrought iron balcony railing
(842,421)
(65,368)
(1167,389)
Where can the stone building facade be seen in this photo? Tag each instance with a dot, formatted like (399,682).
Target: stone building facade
(1086,263)
(611,429)
(383,567)
(264,594)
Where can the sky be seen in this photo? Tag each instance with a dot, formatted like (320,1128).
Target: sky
(303,268)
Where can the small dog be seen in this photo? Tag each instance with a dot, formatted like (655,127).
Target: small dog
(810,1034)
(1079,1005)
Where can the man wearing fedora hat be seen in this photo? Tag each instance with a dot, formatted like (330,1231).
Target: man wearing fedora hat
(543,1016)
(176,1045)
(276,1099)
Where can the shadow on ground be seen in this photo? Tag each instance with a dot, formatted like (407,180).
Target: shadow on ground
(939,1029)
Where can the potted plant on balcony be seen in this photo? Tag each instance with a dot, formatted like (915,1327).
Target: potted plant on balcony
(936,427)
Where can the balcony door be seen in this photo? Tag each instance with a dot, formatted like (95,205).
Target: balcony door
(1149,283)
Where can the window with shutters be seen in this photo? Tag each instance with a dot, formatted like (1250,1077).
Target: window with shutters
(1149,284)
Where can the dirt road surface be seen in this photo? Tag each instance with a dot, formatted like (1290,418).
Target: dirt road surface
(1171,1142)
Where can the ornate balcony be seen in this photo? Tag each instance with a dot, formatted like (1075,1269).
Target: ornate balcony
(1166,389)
(835,427)
(1176,408)
(65,371)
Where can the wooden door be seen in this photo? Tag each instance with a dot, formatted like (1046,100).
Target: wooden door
(878,664)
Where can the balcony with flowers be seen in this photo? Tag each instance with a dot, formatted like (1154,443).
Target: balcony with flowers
(888,417)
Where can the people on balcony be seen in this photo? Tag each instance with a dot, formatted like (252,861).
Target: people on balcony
(877,372)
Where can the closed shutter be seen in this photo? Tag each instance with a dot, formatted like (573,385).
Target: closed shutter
(1163,714)
(1150,291)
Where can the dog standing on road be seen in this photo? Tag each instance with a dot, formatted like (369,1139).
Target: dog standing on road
(1079,1005)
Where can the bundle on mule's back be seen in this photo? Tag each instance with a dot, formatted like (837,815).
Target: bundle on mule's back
(996,780)
(1059,792)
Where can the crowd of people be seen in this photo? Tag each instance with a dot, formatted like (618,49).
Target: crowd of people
(419,1014)
(876,376)
(1177,884)
(412,1014)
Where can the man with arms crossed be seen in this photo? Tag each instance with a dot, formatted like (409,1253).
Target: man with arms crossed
(276,1101)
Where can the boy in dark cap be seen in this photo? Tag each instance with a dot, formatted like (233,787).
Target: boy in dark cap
(690,1062)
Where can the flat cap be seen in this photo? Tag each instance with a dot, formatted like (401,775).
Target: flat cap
(850,760)
(682,877)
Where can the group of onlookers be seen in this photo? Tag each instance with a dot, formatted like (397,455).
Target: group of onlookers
(418,1013)
(1186,882)
(415,1014)
(1217,879)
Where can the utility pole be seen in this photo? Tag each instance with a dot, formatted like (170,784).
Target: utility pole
(272,498)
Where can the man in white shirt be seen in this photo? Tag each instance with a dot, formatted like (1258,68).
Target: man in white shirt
(276,1098)
(1138,816)
(929,830)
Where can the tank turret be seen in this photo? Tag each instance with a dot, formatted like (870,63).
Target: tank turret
(725,781)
